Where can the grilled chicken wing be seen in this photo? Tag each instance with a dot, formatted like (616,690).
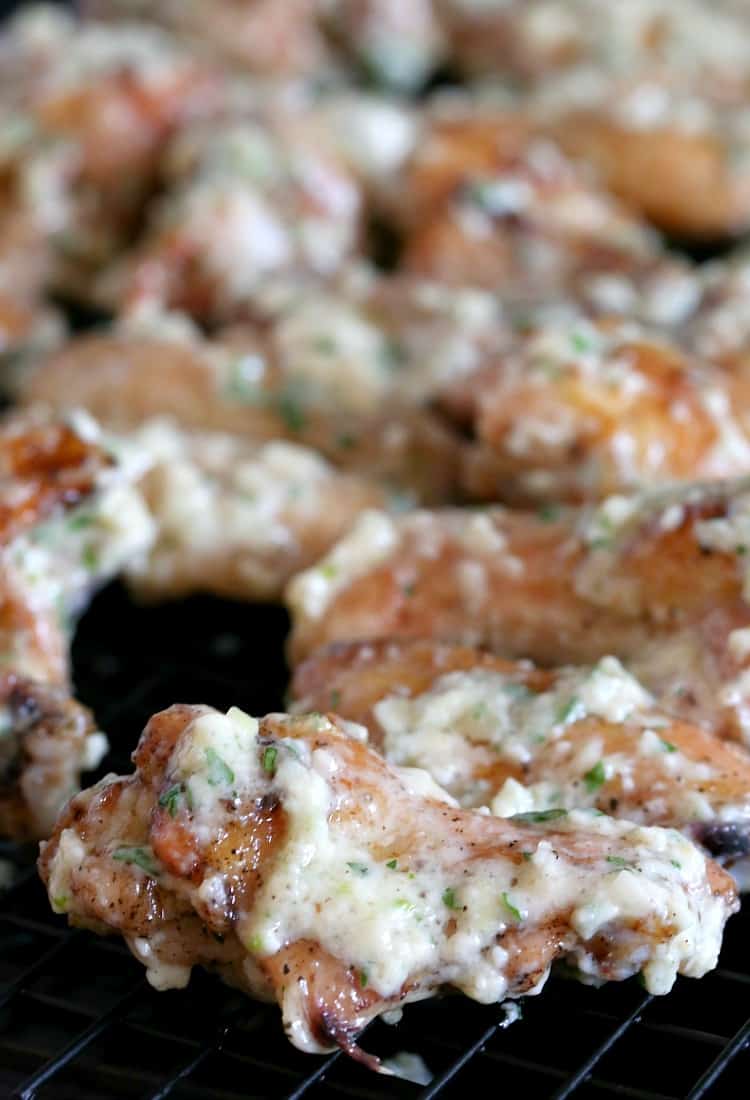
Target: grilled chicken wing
(702,48)
(88,110)
(238,519)
(47,740)
(509,735)
(582,410)
(325,373)
(266,37)
(289,857)
(517,216)
(259,194)
(675,156)
(70,519)
(658,580)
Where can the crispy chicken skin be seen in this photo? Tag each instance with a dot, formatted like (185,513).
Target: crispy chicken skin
(69,520)
(237,519)
(292,859)
(289,380)
(47,740)
(657,579)
(581,410)
(518,738)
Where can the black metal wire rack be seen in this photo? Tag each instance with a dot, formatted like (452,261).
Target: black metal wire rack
(78,1020)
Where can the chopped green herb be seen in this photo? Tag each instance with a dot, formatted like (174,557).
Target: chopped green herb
(141,857)
(90,558)
(219,772)
(291,410)
(566,709)
(325,345)
(595,777)
(255,943)
(579,342)
(667,745)
(512,909)
(392,864)
(170,800)
(79,521)
(527,855)
(364,978)
(676,863)
(741,549)
(538,817)
(358,868)
(269,759)
(548,513)
(449,898)
(621,863)
(328,570)
(60,903)
(408,589)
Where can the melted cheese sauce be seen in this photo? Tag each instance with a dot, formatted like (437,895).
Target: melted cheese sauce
(432,917)
(371,540)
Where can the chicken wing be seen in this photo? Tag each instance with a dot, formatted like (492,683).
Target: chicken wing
(88,110)
(582,410)
(658,580)
(520,739)
(265,37)
(674,155)
(263,192)
(292,378)
(237,519)
(47,741)
(70,519)
(292,859)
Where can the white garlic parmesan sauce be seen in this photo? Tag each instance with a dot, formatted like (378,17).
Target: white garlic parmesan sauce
(410,919)
(371,540)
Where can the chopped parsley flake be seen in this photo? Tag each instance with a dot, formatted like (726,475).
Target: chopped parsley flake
(364,978)
(81,520)
(538,817)
(595,777)
(514,911)
(90,558)
(548,513)
(676,863)
(358,868)
(667,745)
(449,898)
(527,856)
(141,857)
(392,864)
(219,772)
(566,709)
(269,759)
(170,800)
(579,342)
(621,863)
